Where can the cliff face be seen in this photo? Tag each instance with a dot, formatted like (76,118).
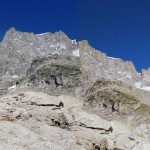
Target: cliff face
(97,65)
(19,49)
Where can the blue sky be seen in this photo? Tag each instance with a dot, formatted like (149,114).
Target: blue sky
(119,28)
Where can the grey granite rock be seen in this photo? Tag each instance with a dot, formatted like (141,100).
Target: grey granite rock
(68,128)
(19,49)
(61,94)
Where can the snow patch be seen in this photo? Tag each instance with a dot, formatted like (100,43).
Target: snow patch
(41,34)
(112,58)
(146,88)
(138,85)
(76,52)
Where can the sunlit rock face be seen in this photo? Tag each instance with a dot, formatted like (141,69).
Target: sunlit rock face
(19,49)
(97,65)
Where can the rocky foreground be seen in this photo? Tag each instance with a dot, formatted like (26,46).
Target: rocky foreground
(104,119)
(59,94)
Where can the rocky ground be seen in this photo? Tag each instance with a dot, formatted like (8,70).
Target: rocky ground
(32,120)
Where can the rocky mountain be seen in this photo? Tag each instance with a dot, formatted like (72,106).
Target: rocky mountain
(22,48)
(57,93)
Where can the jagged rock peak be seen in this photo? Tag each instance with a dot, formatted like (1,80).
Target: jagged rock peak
(10,33)
(61,34)
(14,31)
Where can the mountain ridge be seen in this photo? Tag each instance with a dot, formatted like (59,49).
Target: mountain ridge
(23,47)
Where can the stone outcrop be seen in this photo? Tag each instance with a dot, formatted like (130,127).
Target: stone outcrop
(112,99)
(56,75)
